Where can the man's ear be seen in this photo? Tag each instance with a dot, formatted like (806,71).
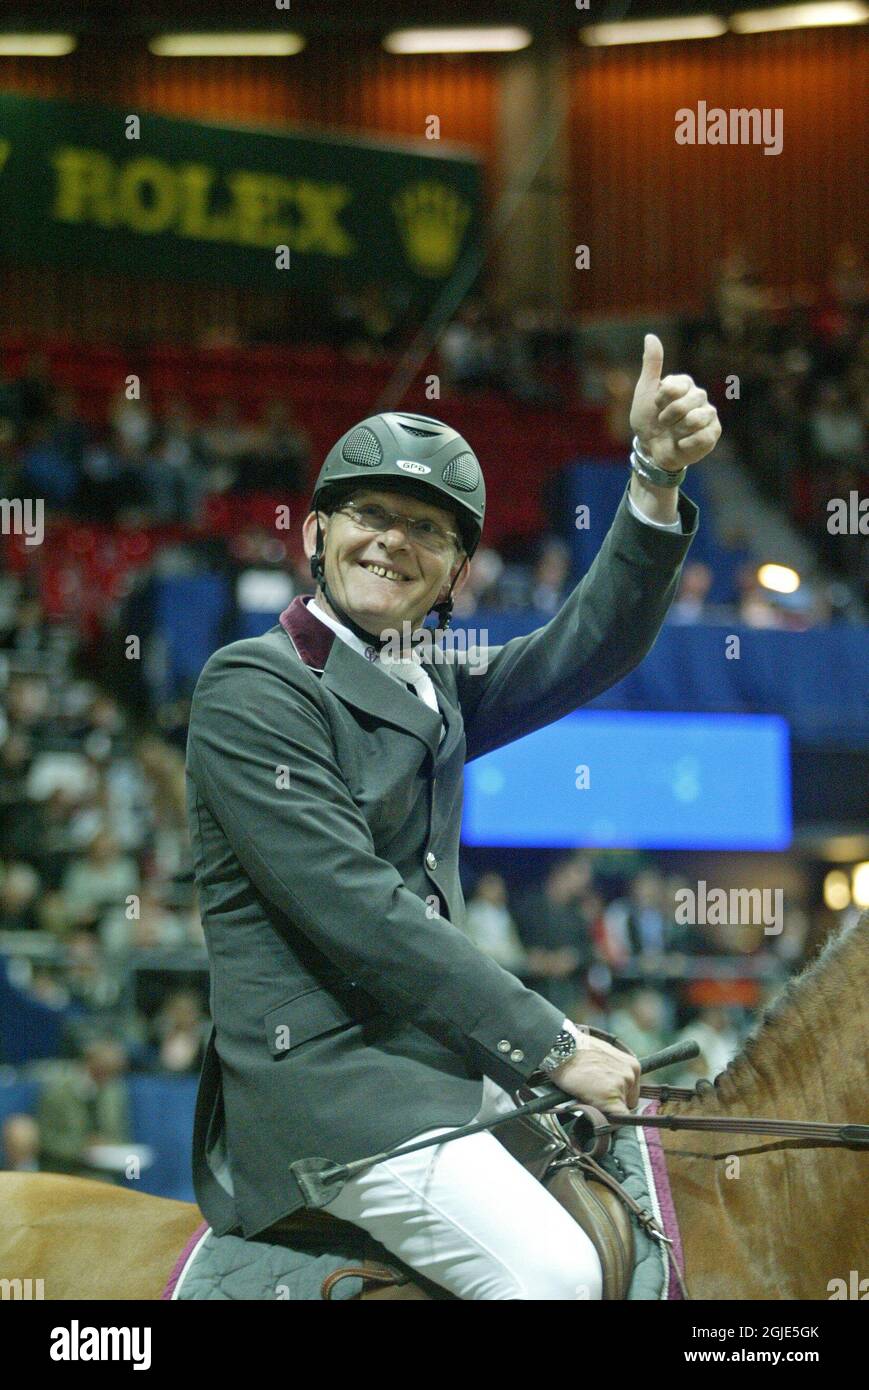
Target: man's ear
(309,532)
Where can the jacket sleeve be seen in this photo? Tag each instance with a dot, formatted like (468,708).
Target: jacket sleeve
(262,756)
(602,631)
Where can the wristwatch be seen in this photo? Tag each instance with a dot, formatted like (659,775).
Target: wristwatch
(561,1051)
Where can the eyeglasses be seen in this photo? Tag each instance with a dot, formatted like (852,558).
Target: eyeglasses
(372,517)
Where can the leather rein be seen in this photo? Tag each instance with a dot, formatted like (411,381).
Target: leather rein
(320,1179)
(795,1134)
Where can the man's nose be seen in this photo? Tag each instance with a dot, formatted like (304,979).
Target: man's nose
(396,536)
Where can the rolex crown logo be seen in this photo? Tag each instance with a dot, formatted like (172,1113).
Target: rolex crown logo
(431,221)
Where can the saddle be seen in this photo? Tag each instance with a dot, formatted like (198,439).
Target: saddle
(547,1148)
(561,1155)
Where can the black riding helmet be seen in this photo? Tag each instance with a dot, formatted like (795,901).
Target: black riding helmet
(408,453)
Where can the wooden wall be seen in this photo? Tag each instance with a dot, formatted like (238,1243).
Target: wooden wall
(332,84)
(657,216)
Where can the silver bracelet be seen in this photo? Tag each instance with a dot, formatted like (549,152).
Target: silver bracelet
(647,469)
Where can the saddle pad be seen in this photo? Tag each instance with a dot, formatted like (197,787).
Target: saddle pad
(636,1160)
(233,1269)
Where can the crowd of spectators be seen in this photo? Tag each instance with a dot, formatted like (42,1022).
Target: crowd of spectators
(789,373)
(530,352)
(82,1123)
(144,468)
(95,861)
(814,604)
(790,376)
(603,939)
(787,369)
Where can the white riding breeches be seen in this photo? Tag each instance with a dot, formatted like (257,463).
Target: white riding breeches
(471,1219)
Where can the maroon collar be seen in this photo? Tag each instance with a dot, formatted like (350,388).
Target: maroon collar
(311,638)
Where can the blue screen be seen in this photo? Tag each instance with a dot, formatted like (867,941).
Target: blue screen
(655,781)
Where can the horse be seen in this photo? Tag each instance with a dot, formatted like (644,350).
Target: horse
(759,1221)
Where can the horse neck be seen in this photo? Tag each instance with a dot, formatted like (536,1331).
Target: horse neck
(786,1222)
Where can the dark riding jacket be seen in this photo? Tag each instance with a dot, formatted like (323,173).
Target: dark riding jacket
(350,1010)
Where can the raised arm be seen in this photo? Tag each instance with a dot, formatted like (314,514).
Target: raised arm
(602,631)
(609,622)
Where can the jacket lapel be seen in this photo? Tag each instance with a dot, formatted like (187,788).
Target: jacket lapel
(355,681)
(311,638)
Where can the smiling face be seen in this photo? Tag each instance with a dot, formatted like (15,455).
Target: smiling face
(415,578)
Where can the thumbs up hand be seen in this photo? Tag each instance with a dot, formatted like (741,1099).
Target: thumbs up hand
(671,417)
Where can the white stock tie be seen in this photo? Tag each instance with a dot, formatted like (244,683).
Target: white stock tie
(412,673)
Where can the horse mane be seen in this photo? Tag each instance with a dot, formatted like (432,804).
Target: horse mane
(840,970)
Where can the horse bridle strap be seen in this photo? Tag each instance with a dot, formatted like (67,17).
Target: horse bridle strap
(793,1133)
(800,1133)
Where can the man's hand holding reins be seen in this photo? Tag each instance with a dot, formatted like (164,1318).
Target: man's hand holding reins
(600,1075)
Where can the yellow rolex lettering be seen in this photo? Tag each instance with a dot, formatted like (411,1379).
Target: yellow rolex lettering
(319,205)
(85,186)
(259,199)
(195,186)
(147,195)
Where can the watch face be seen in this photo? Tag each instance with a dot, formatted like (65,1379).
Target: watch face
(563,1048)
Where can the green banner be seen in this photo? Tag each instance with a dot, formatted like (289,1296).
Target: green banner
(152,196)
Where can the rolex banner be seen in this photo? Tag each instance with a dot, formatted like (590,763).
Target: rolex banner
(147,195)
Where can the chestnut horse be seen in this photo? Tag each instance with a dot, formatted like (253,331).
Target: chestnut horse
(783,1224)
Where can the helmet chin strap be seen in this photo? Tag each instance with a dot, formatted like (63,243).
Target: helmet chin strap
(443,610)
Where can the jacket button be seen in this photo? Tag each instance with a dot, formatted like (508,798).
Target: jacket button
(431,860)
(504,1045)
(517,1055)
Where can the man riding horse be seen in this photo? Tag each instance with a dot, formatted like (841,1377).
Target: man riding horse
(351,1013)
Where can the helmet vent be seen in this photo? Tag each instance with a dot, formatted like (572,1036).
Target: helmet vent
(462,473)
(362,447)
(420,434)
